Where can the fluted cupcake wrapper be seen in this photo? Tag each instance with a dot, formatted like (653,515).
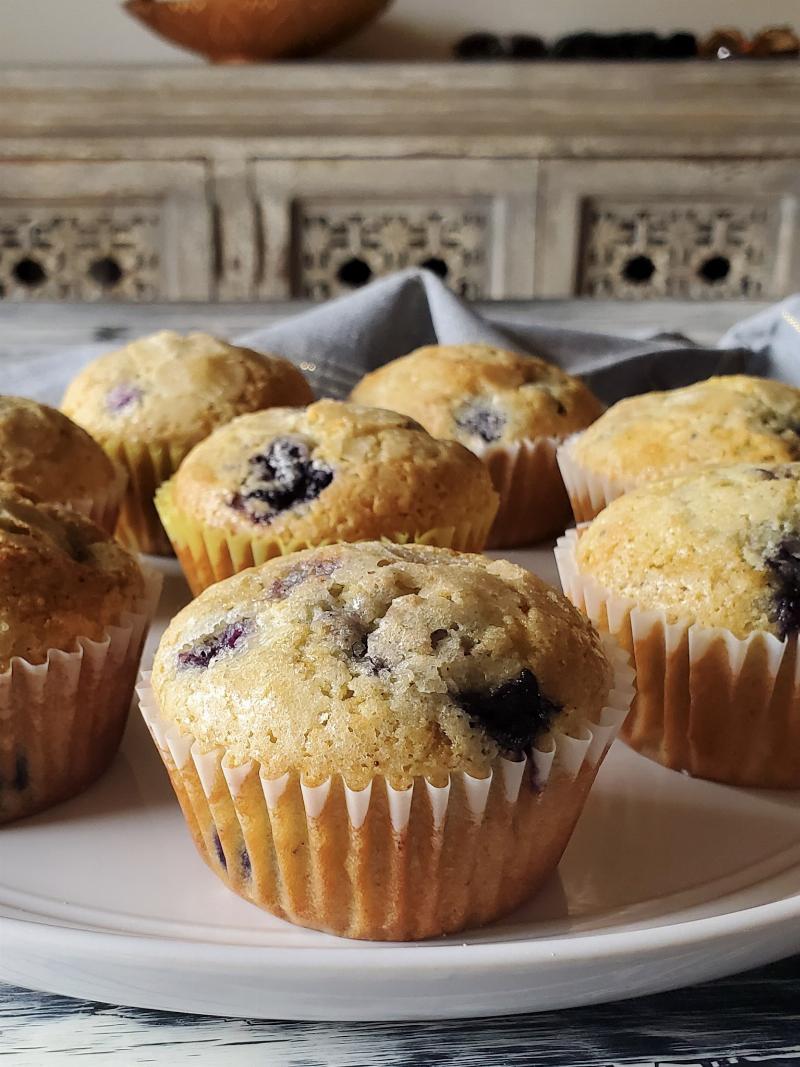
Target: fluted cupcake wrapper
(103,507)
(708,703)
(61,721)
(382,863)
(533,501)
(208,554)
(588,493)
(139,527)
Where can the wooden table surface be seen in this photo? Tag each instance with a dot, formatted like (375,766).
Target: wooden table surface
(751,1018)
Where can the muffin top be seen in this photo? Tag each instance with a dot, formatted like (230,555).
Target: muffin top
(481,395)
(48,453)
(61,577)
(172,388)
(720,547)
(734,419)
(332,470)
(375,659)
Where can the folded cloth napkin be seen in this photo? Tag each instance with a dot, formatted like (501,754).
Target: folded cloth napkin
(773,337)
(337,342)
(341,340)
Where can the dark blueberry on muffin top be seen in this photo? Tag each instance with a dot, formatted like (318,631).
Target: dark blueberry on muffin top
(514,714)
(280,478)
(481,420)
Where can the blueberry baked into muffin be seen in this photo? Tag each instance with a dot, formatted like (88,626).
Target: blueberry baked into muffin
(383,741)
(699,576)
(150,402)
(42,449)
(286,479)
(735,419)
(510,409)
(74,608)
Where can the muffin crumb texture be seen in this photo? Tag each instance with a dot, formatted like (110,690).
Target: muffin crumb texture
(61,577)
(725,420)
(377,659)
(481,395)
(175,388)
(43,450)
(332,471)
(720,547)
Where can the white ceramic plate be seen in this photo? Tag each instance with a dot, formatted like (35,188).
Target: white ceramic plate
(667,881)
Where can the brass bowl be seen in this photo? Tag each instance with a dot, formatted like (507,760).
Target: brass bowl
(249,31)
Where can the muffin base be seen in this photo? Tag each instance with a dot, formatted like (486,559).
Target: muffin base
(708,703)
(139,527)
(588,493)
(534,505)
(103,507)
(384,863)
(62,720)
(207,555)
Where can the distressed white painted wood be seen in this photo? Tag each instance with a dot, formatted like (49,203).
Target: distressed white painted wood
(153,219)
(408,142)
(694,192)
(319,215)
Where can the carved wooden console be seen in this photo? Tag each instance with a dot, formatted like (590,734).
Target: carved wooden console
(307,180)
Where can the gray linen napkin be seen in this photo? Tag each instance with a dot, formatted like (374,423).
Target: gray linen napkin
(339,341)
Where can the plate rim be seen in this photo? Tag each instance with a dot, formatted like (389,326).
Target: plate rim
(409,956)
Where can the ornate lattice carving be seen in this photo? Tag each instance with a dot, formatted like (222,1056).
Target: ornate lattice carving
(642,249)
(79,252)
(342,246)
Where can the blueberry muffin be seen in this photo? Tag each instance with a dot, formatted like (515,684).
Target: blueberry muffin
(149,403)
(42,449)
(74,607)
(383,741)
(699,576)
(509,409)
(286,479)
(734,419)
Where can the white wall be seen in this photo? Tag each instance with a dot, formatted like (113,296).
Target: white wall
(98,31)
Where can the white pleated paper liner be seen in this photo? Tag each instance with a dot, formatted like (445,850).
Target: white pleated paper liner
(534,504)
(61,721)
(385,863)
(708,703)
(103,507)
(589,493)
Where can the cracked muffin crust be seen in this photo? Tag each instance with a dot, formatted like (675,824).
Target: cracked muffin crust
(48,453)
(481,395)
(169,387)
(376,659)
(150,402)
(511,410)
(719,546)
(724,420)
(286,479)
(61,577)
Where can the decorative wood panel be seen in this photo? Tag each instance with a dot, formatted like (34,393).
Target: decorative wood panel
(104,231)
(639,229)
(341,246)
(330,227)
(676,248)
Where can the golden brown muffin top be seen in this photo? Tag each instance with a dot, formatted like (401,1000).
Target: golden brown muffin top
(61,577)
(376,659)
(480,395)
(719,546)
(177,389)
(51,455)
(733,419)
(332,471)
